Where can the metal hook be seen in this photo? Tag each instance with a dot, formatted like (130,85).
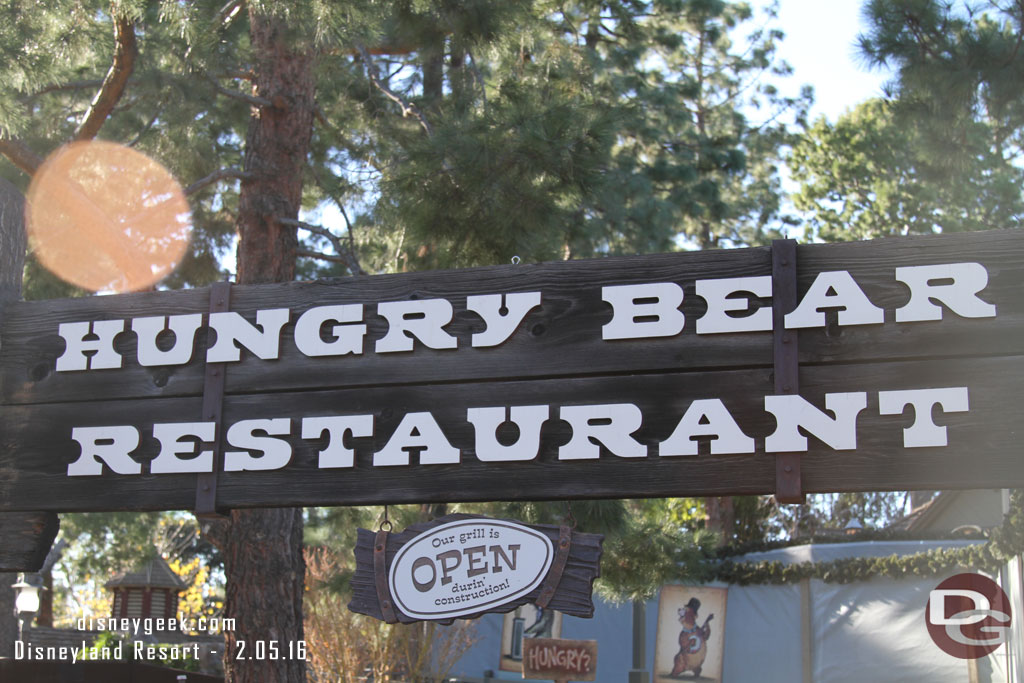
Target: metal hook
(516,260)
(385,524)
(570,519)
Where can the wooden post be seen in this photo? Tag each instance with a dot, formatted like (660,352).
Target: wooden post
(806,632)
(25,537)
(639,673)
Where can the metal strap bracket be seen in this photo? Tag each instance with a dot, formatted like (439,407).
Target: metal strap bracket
(213,405)
(380,575)
(554,576)
(788,486)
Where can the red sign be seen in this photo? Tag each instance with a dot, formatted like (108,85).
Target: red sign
(968,616)
(559,659)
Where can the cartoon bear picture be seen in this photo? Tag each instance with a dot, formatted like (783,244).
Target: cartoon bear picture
(690,644)
(693,641)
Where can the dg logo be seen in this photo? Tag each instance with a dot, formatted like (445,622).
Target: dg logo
(968,616)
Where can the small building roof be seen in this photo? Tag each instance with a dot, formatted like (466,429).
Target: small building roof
(950,511)
(154,574)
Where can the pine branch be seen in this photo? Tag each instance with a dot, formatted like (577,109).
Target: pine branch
(216,176)
(343,141)
(333,258)
(408,108)
(341,207)
(347,257)
(241,74)
(215,531)
(254,100)
(62,87)
(149,125)
(20,155)
(110,92)
(479,76)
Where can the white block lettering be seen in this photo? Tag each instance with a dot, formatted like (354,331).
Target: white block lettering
(628,304)
(718,295)
(486,421)
(76,345)
(109,444)
(422,319)
(274,453)
(924,432)
(500,327)
(960,295)
(230,327)
(717,422)
(793,412)
(171,446)
(184,328)
(615,422)
(834,289)
(336,426)
(348,337)
(417,431)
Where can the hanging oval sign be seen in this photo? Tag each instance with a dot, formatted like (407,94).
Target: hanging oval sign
(468,566)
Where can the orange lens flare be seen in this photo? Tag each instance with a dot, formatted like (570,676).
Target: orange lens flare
(107,218)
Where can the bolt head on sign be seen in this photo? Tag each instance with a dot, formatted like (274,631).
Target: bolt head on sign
(968,616)
(105,217)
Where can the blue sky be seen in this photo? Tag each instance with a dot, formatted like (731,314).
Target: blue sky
(820,45)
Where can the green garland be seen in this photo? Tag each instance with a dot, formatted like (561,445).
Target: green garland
(837,537)
(1004,543)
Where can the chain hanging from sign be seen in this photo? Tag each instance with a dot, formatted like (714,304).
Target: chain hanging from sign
(463,566)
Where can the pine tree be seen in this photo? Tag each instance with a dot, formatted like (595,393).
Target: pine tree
(957,78)
(942,151)
(874,173)
(593,128)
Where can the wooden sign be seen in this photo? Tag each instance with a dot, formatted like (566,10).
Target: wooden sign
(884,365)
(462,566)
(559,659)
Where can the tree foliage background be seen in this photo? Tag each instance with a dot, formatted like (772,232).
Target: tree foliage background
(448,133)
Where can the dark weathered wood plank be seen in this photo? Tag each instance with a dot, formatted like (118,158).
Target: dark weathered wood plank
(983,448)
(575,591)
(30,346)
(25,539)
(873,263)
(562,338)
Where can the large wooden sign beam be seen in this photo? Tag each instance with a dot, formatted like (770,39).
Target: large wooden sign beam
(619,377)
(25,537)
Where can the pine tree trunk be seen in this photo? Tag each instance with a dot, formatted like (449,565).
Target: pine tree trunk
(44,617)
(262,549)
(275,153)
(433,72)
(721,518)
(265,571)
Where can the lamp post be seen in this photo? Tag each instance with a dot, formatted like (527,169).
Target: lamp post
(26,603)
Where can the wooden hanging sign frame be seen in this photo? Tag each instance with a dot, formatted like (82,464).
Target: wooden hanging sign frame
(463,566)
(885,365)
